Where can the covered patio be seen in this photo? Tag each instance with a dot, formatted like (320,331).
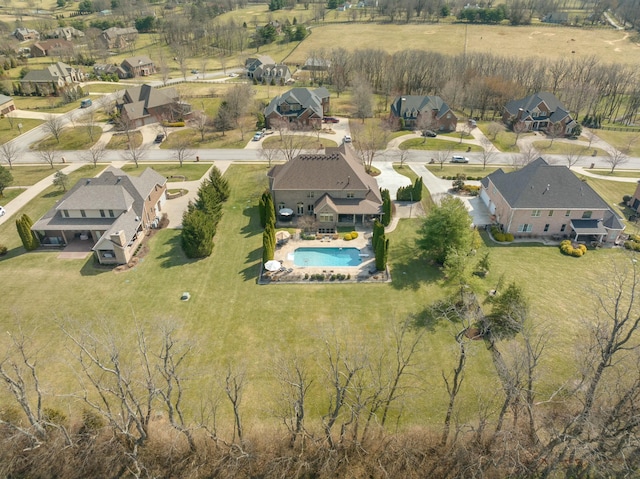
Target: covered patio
(589,229)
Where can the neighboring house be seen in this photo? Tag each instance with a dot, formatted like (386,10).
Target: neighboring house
(118,38)
(301,106)
(6,104)
(140,66)
(634,202)
(142,105)
(316,64)
(542,200)
(51,79)
(65,33)
(539,112)
(334,187)
(24,34)
(556,17)
(252,63)
(113,212)
(424,112)
(55,47)
(278,74)
(109,69)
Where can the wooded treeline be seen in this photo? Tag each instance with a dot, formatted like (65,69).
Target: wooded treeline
(482,83)
(132,412)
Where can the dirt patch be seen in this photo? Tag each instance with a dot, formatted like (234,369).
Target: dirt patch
(473,333)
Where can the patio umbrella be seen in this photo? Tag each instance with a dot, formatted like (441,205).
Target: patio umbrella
(282,235)
(285,212)
(272,265)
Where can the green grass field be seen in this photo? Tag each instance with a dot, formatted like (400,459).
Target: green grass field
(563,148)
(436,144)
(10,193)
(30,175)
(616,173)
(621,140)
(7,132)
(77,138)
(120,141)
(232,320)
(190,171)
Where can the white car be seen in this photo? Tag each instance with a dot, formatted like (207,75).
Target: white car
(347,139)
(2,211)
(258,136)
(459,159)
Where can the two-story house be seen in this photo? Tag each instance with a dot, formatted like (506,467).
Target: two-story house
(543,200)
(539,112)
(111,212)
(300,106)
(140,66)
(54,47)
(272,73)
(424,112)
(333,187)
(54,77)
(118,38)
(143,105)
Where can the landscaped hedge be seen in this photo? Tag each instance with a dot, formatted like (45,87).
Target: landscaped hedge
(455,177)
(174,123)
(633,243)
(500,236)
(567,248)
(351,236)
(3,250)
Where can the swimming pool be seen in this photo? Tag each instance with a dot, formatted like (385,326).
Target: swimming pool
(327,257)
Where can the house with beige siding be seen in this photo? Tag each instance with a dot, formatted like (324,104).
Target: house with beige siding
(548,201)
(111,213)
(300,107)
(539,112)
(425,112)
(332,187)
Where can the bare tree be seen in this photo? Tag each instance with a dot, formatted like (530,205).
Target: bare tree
(553,131)
(615,158)
(442,156)
(518,128)
(526,156)
(163,65)
(200,122)
(54,124)
(465,130)
(292,145)
(572,156)
(9,153)
(401,156)
(269,155)
(48,156)
(234,384)
(134,153)
(293,376)
(493,129)
(95,154)
(369,140)
(591,137)
(488,152)
(362,98)
(181,150)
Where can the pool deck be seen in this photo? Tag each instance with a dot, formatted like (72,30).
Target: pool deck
(364,272)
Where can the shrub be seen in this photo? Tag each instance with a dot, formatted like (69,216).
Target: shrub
(500,236)
(635,238)
(626,198)
(632,245)
(3,250)
(174,123)
(354,234)
(567,248)
(347,237)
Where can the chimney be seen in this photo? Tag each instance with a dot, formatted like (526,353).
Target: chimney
(520,111)
(118,238)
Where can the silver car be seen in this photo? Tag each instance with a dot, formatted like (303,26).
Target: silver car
(459,159)
(2,211)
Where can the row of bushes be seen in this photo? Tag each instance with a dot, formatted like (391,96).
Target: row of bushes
(322,277)
(351,236)
(633,243)
(500,236)
(567,248)
(455,177)
(173,123)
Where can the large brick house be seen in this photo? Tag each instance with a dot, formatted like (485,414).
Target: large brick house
(333,187)
(539,112)
(53,78)
(424,112)
(300,106)
(111,212)
(143,105)
(118,38)
(139,66)
(543,200)
(57,47)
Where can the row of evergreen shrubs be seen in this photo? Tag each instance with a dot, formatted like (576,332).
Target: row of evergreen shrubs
(567,248)
(633,243)
(500,236)
(455,177)
(322,277)
(174,123)
(201,219)
(411,192)
(351,236)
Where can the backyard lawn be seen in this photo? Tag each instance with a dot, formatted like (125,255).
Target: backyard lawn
(234,322)
(189,171)
(437,144)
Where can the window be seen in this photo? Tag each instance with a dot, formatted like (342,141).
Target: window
(65,213)
(310,209)
(310,194)
(300,208)
(326,218)
(525,228)
(562,228)
(350,195)
(102,214)
(568,213)
(111,215)
(546,227)
(83,213)
(587,214)
(550,212)
(280,206)
(536,213)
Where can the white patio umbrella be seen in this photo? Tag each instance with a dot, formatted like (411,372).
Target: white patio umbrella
(285,212)
(272,265)
(282,235)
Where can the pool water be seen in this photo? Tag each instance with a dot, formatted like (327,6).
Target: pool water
(327,257)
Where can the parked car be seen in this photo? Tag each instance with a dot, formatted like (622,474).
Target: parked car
(258,136)
(86,103)
(459,159)
(429,133)
(472,123)
(347,139)
(195,72)
(2,211)
(330,119)
(159,138)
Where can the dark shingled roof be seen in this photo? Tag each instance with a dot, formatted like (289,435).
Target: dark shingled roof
(532,101)
(542,186)
(408,106)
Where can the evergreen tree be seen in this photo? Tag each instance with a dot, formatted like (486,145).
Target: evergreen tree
(6,178)
(381,250)
(378,231)
(268,243)
(270,211)
(447,226)
(219,183)
(29,240)
(417,189)
(197,234)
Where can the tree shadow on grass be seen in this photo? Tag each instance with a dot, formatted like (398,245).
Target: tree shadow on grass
(92,267)
(412,270)
(253,227)
(13,253)
(175,256)
(426,319)
(54,194)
